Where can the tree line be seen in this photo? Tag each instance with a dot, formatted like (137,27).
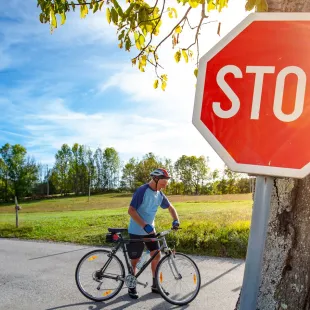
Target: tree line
(78,170)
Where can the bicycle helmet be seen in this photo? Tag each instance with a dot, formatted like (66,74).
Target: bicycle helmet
(160,173)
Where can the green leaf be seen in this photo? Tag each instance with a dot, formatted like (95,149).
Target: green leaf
(63,18)
(127,44)
(114,16)
(53,19)
(108,15)
(250,4)
(96,7)
(84,10)
(261,6)
(177,56)
(196,72)
(121,35)
(73,5)
(118,8)
(128,11)
(155,84)
(184,53)
(42,18)
(193,3)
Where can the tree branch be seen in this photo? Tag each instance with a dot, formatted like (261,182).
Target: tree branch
(171,32)
(96,1)
(143,50)
(203,16)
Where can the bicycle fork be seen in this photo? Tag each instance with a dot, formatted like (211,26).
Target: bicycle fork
(174,268)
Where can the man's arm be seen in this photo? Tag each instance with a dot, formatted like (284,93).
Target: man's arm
(136,217)
(173,213)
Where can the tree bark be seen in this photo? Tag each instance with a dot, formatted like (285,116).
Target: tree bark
(285,282)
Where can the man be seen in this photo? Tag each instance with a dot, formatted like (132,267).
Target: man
(142,211)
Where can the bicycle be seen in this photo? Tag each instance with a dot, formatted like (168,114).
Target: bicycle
(179,284)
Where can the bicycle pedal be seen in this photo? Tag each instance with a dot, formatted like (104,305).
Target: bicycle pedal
(143,284)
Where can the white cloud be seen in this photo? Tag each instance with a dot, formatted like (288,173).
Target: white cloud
(175,105)
(158,122)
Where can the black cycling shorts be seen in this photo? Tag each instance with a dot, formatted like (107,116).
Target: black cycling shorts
(135,249)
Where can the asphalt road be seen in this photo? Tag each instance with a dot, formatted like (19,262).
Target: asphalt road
(40,275)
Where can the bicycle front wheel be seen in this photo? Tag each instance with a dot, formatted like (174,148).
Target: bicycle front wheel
(178,279)
(97,284)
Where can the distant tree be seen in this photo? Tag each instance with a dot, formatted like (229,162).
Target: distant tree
(18,173)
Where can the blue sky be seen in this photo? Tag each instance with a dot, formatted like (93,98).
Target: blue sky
(76,85)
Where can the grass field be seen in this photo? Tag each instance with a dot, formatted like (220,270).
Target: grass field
(211,225)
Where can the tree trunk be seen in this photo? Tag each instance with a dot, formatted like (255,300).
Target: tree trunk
(285,282)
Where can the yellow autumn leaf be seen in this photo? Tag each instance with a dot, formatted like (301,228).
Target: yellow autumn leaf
(175,12)
(53,19)
(193,3)
(163,85)
(155,84)
(143,60)
(178,29)
(184,53)
(141,39)
(164,77)
(177,56)
(196,72)
(63,18)
(84,10)
(108,15)
(211,6)
(138,45)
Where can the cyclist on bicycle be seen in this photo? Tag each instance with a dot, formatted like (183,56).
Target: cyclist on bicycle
(142,210)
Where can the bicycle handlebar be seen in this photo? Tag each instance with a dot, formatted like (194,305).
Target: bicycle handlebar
(166,232)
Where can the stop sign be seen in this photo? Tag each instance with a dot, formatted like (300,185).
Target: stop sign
(252,101)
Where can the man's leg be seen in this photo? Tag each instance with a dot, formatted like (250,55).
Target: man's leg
(134,263)
(135,250)
(155,262)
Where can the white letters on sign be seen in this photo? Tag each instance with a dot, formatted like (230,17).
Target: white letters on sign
(259,72)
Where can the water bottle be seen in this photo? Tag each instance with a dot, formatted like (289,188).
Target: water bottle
(143,259)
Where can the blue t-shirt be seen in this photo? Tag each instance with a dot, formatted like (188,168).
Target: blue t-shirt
(146,202)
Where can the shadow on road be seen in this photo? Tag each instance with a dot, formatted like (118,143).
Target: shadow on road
(102,305)
(58,253)
(129,302)
(221,275)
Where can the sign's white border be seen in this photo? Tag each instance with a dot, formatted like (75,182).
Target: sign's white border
(215,144)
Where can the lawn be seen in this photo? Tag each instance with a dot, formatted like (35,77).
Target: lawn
(211,225)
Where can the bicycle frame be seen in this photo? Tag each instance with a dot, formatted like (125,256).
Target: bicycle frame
(122,244)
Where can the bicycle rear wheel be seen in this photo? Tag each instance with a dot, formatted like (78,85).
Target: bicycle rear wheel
(179,276)
(97,285)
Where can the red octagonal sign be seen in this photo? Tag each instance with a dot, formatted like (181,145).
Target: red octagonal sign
(252,101)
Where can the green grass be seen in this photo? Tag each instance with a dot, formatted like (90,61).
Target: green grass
(212,225)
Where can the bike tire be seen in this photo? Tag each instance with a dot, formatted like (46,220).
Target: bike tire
(80,287)
(160,288)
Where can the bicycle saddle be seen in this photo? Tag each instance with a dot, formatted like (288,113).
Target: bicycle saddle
(116,230)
